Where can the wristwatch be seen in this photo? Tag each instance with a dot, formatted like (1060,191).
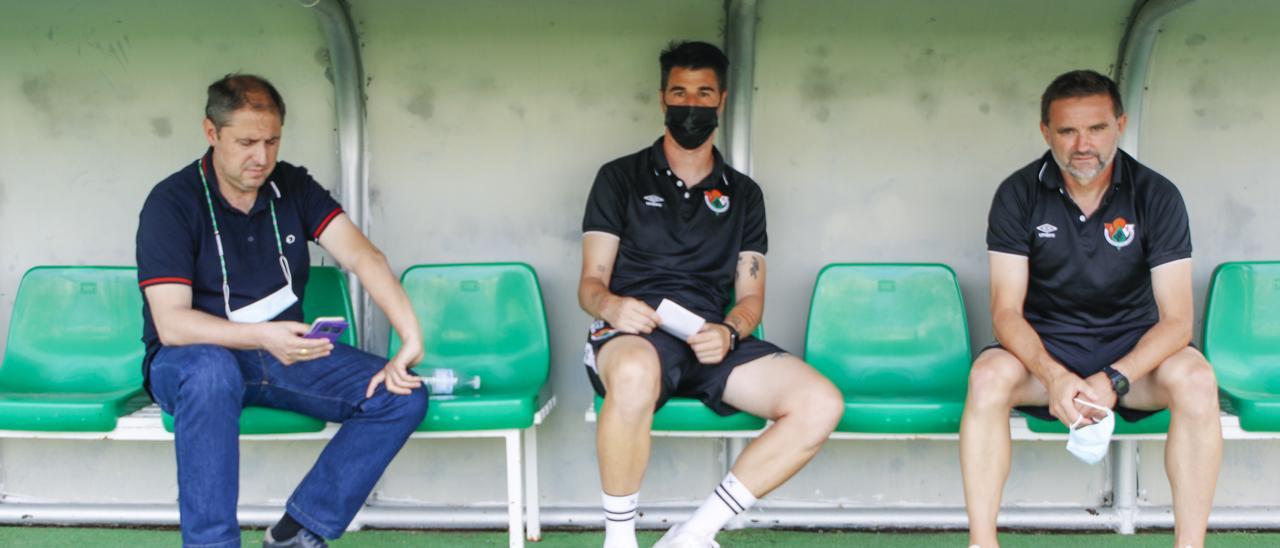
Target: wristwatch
(733,337)
(1119,382)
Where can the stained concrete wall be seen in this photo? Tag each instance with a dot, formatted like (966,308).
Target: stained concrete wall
(881,130)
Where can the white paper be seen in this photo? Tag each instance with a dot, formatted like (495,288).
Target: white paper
(678,320)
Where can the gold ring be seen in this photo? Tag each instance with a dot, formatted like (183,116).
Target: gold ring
(302,352)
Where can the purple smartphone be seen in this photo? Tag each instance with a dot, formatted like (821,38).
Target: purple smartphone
(327,328)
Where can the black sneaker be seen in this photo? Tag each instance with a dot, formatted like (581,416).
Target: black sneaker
(304,539)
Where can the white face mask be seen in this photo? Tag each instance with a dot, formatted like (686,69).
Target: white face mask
(266,308)
(1090,442)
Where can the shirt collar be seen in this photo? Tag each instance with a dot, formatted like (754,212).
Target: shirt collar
(264,193)
(660,165)
(1051,174)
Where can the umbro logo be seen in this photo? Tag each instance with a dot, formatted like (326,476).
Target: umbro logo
(653,200)
(1047,231)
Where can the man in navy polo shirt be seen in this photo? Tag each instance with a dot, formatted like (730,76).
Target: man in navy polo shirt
(1090,256)
(673,222)
(222,263)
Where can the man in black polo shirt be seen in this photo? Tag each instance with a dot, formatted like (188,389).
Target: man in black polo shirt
(672,221)
(222,263)
(1090,256)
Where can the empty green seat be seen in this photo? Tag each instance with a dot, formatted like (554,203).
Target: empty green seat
(325,295)
(1242,341)
(894,339)
(483,320)
(73,361)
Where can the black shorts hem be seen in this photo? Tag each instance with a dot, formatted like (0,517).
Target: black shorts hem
(682,374)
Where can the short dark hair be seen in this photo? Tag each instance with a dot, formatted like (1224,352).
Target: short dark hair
(1080,83)
(236,91)
(693,55)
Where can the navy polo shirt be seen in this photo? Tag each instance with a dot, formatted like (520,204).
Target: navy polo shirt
(175,241)
(676,241)
(1089,275)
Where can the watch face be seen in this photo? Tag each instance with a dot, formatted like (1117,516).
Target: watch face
(1120,383)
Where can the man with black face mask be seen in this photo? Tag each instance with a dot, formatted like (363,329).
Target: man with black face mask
(673,223)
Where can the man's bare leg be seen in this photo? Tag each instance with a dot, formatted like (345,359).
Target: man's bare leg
(804,406)
(997,383)
(631,373)
(1193,453)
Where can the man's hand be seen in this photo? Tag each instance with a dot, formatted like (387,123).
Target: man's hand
(1066,387)
(396,375)
(285,341)
(629,315)
(1100,383)
(711,343)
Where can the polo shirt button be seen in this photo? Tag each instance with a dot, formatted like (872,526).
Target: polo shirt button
(668,172)
(1082,218)
(250,238)
(679,183)
(686,195)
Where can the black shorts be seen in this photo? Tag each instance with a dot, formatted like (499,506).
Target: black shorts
(1085,355)
(682,374)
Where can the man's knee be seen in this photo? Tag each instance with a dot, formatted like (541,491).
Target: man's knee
(1191,384)
(632,374)
(819,405)
(408,409)
(208,371)
(994,377)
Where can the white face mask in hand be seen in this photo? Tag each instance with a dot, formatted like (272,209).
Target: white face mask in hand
(1090,442)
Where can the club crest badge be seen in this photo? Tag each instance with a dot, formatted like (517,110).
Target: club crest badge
(718,203)
(1119,233)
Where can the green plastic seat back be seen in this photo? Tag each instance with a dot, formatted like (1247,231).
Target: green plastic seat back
(889,330)
(1242,326)
(481,319)
(326,295)
(75,329)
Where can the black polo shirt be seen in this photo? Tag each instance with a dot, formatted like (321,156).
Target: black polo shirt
(175,241)
(676,241)
(1089,275)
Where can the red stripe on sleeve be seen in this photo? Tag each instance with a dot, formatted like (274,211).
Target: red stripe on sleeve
(325,223)
(168,280)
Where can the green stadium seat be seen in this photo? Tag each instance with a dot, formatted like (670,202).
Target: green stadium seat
(73,361)
(1242,341)
(483,320)
(894,339)
(325,295)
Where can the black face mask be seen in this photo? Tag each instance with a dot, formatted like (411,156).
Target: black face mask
(691,126)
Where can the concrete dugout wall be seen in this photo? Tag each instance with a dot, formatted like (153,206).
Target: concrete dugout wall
(880,132)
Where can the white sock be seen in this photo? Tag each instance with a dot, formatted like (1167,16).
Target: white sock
(729,499)
(620,520)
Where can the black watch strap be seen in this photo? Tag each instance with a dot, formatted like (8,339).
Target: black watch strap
(733,337)
(1119,382)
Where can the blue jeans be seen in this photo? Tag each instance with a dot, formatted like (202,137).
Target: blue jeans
(204,387)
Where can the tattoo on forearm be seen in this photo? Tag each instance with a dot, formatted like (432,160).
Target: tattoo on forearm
(755,268)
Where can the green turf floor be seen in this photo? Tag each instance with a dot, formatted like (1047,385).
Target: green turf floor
(41,537)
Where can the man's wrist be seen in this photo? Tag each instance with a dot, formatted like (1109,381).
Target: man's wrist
(1119,381)
(733,336)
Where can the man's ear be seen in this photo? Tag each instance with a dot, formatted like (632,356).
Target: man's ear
(210,131)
